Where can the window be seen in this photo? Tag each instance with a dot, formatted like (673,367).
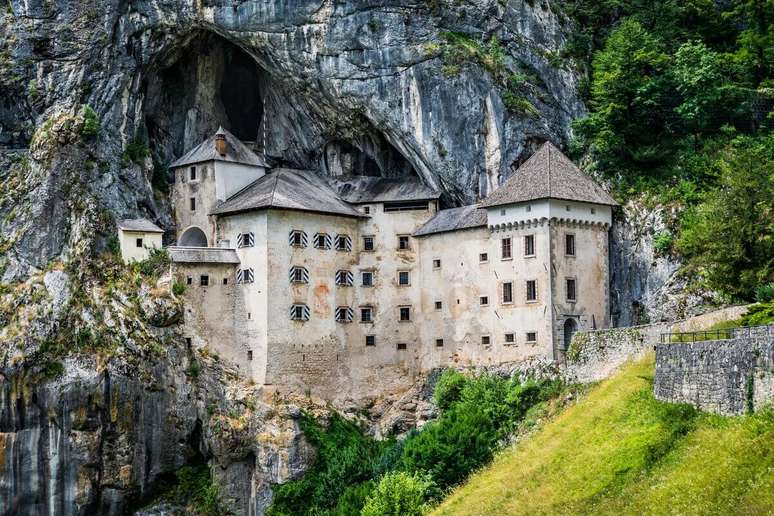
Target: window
(485,340)
(510,338)
(367,278)
(344,314)
(593,211)
(438,305)
(529,208)
(366,314)
(507,292)
(189,280)
(204,280)
(483,257)
(225,281)
(343,243)
(193,203)
(567,207)
(298,274)
(532,336)
(403,243)
(505,246)
(368,243)
(483,300)
(367,210)
(249,316)
(297,238)
(138,242)
(404,278)
(249,354)
(344,278)
(370,340)
(571,293)
(245,276)
(436,263)
(502,212)
(529,245)
(245,239)
(405,206)
(438,343)
(569,244)
(322,241)
(193,174)
(401,346)
(531,290)
(188,342)
(405,313)
(299,312)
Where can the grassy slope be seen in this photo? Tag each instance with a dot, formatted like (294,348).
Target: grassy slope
(619,451)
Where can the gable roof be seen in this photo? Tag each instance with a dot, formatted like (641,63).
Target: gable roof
(453,219)
(236,152)
(139,225)
(287,188)
(202,255)
(364,189)
(549,174)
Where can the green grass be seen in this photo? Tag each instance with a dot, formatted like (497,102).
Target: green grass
(619,451)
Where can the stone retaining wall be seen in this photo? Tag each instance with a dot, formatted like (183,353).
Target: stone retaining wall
(728,377)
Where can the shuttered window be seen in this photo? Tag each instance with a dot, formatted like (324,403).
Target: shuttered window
(344,278)
(343,243)
(344,314)
(322,241)
(298,275)
(298,238)
(244,276)
(299,312)
(245,239)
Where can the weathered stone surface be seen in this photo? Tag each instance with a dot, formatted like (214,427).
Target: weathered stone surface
(727,377)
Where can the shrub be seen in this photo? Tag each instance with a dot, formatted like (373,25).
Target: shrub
(113,245)
(399,494)
(758,315)
(448,388)
(765,293)
(136,152)
(178,288)
(91,123)
(195,488)
(155,264)
(662,242)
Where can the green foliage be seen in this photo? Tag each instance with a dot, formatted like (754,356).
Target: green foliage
(136,151)
(178,288)
(729,237)
(765,293)
(399,494)
(91,124)
(353,499)
(32,90)
(194,368)
(155,264)
(448,389)
(196,489)
(113,245)
(662,242)
(758,315)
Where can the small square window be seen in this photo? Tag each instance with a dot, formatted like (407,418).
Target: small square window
(436,263)
(593,211)
(438,305)
(403,242)
(531,290)
(368,243)
(567,207)
(507,292)
(405,313)
(204,280)
(531,336)
(249,354)
(370,340)
(502,212)
(367,278)
(529,208)
(189,280)
(438,343)
(401,346)
(366,315)
(404,278)
(138,242)
(193,203)
(485,340)
(225,281)
(193,173)
(367,210)
(483,257)
(510,338)
(483,300)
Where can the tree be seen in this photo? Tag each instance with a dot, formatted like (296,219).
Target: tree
(756,42)
(729,237)
(399,494)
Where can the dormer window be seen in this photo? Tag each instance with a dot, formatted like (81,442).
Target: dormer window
(297,238)
(298,275)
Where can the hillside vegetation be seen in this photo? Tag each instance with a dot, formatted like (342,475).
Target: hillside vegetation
(619,451)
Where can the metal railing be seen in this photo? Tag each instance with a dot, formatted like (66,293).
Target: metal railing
(721,334)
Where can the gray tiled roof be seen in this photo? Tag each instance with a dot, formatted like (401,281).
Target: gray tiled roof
(549,174)
(363,189)
(453,219)
(202,255)
(236,152)
(290,189)
(140,225)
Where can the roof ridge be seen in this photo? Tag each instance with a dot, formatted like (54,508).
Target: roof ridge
(274,188)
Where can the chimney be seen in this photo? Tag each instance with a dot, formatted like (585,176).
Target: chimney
(220,144)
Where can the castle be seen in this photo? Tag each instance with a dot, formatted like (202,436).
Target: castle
(345,287)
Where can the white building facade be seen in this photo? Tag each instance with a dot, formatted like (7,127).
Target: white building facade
(347,288)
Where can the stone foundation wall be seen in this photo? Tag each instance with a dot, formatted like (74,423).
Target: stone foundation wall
(595,355)
(728,377)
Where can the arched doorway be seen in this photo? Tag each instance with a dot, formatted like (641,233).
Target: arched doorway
(570,327)
(193,237)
